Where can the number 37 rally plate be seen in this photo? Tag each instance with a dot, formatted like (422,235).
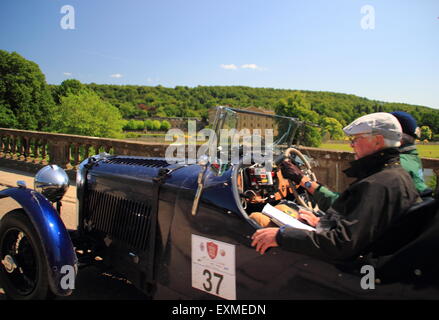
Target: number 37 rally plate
(213,267)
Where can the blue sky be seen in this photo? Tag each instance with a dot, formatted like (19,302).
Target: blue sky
(310,45)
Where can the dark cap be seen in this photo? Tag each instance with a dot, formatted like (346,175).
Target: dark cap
(408,123)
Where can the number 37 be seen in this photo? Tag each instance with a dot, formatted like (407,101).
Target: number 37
(208,286)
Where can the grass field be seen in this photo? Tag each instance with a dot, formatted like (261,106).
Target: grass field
(425,150)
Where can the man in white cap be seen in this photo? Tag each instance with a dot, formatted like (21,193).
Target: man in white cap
(360,216)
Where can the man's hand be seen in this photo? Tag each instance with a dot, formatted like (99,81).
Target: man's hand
(291,171)
(309,217)
(264,239)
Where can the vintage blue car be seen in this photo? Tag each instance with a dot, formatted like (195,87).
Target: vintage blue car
(180,230)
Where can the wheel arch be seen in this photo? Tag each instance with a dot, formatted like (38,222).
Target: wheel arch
(55,239)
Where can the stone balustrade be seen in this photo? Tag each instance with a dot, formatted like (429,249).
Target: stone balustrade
(31,150)
(66,150)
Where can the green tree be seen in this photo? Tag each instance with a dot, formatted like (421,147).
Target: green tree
(139,124)
(86,114)
(148,124)
(296,106)
(426,133)
(191,113)
(67,86)
(130,125)
(127,109)
(165,125)
(25,98)
(7,117)
(156,125)
(331,128)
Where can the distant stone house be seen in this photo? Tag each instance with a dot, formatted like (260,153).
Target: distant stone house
(249,121)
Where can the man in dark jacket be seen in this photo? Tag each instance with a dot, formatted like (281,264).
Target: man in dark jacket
(361,214)
(409,159)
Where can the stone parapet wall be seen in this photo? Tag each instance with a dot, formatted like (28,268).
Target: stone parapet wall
(328,166)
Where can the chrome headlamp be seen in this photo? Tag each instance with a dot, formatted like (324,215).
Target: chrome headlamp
(52,182)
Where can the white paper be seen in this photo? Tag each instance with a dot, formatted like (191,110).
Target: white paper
(284,218)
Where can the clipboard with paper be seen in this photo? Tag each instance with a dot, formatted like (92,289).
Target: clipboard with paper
(281,218)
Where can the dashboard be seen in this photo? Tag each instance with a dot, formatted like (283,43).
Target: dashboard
(258,186)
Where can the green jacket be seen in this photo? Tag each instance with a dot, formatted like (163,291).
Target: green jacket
(325,197)
(411,162)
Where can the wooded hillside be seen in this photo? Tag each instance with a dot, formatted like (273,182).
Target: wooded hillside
(194,102)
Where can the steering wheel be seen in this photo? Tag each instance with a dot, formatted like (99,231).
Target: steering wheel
(307,172)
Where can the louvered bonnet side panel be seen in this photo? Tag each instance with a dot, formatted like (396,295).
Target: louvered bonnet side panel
(118,199)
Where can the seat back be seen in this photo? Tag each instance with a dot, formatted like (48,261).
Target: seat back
(410,247)
(407,228)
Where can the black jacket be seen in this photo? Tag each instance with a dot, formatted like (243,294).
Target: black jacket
(381,194)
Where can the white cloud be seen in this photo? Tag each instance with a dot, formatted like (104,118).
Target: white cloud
(229,66)
(68,74)
(116,75)
(251,66)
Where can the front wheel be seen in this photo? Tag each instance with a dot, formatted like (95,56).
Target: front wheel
(23,267)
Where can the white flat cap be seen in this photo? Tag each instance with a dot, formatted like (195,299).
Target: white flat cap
(381,123)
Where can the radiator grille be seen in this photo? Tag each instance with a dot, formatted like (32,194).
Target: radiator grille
(124,220)
(154,163)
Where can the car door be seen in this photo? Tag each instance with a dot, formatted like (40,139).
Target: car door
(209,255)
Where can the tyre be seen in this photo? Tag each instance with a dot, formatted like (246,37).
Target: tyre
(23,267)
